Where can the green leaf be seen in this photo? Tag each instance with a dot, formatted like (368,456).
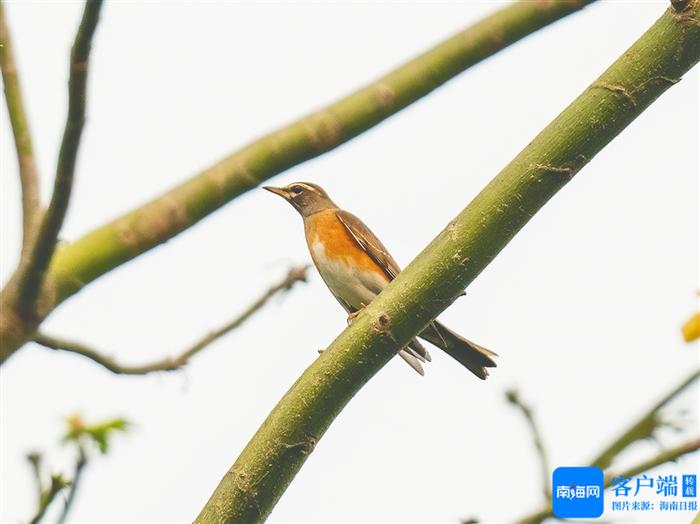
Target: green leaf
(99,433)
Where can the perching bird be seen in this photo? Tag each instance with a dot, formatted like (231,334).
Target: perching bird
(356,266)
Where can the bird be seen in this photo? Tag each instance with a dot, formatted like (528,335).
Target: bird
(356,266)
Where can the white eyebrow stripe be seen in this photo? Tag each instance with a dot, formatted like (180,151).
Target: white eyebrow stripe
(306,186)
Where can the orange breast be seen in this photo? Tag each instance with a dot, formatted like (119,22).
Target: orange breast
(337,242)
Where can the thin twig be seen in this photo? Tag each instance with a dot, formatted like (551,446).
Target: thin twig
(35,460)
(77,472)
(29,178)
(31,274)
(514,398)
(665,456)
(48,496)
(668,455)
(643,428)
(297,274)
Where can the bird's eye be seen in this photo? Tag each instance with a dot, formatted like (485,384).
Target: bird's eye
(296,190)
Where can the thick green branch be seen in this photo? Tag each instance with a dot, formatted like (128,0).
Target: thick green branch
(296,274)
(250,489)
(29,178)
(161,219)
(155,222)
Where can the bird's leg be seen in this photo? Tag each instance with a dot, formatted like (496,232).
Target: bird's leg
(352,316)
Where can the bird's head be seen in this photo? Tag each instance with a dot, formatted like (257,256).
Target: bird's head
(305,197)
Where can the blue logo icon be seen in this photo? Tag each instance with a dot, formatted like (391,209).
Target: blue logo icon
(577,492)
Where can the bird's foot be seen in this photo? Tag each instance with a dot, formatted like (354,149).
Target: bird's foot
(354,315)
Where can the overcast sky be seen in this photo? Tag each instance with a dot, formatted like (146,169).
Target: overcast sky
(584,306)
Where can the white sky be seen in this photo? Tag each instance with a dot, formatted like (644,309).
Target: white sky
(584,306)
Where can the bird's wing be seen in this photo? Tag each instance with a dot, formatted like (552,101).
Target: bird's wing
(369,243)
(414,353)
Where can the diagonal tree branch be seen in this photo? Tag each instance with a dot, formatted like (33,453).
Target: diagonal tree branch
(48,495)
(116,243)
(35,460)
(514,398)
(669,455)
(29,178)
(297,274)
(643,428)
(665,456)
(31,272)
(309,137)
(264,469)
(80,464)
(21,307)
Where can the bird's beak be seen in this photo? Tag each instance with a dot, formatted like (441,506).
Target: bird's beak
(278,191)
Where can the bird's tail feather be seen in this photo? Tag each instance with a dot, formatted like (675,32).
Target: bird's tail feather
(412,360)
(415,353)
(472,356)
(418,350)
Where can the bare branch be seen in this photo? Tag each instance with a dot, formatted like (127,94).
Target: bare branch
(35,459)
(77,473)
(297,274)
(643,428)
(668,455)
(31,273)
(665,456)
(29,178)
(57,484)
(514,398)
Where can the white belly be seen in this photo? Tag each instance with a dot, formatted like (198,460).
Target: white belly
(355,287)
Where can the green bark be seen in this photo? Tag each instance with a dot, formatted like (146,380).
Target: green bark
(130,235)
(29,179)
(250,489)
(30,275)
(22,304)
